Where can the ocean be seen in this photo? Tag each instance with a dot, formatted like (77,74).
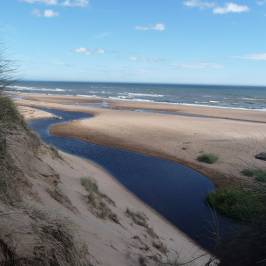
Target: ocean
(242,97)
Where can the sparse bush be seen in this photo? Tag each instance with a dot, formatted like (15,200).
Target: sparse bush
(239,203)
(259,174)
(208,158)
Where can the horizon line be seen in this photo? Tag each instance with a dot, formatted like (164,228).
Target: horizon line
(145,82)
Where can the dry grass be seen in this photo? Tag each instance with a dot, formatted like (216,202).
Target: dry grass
(61,198)
(141,220)
(98,202)
(137,217)
(32,237)
(9,115)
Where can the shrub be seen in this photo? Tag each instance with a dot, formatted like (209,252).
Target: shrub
(239,203)
(208,158)
(259,174)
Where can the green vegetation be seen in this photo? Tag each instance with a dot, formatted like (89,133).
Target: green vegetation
(245,246)
(208,158)
(9,115)
(239,203)
(259,174)
(9,120)
(89,185)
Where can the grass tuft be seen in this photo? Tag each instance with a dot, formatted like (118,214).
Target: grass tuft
(89,185)
(137,217)
(98,201)
(259,174)
(208,158)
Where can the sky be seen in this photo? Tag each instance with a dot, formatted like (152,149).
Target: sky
(157,41)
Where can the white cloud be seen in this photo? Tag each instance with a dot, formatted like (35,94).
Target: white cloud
(199,65)
(47,13)
(66,3)
(156,27)
(82,50)
(255,57)
(88,51)
(47,2)
(75,3)
(230,8)
(199,4)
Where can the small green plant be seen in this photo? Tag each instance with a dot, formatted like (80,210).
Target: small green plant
(239,203)
(247,172)
(208,158)
(89,185)
(259,174)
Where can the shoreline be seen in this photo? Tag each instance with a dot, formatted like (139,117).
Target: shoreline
(116,99)
(168,136)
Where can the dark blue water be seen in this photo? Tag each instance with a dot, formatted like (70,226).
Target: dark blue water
(177,192)
(250,97)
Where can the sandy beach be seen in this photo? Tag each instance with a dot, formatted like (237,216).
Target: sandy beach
(30,113)
(109,243)
(235,136)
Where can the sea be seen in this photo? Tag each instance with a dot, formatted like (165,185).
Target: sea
(239,97)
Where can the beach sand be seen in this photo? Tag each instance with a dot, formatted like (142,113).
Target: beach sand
(30,113)
(107,242)
(235,136)
(124,243)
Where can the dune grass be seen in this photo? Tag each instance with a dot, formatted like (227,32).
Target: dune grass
(9,115)
(260,175)
(97,201)
(208,158)
(89,185)
(137,217)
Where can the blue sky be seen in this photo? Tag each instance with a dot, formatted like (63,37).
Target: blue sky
(171,41)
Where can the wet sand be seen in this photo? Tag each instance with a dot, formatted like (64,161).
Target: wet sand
(235,136)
